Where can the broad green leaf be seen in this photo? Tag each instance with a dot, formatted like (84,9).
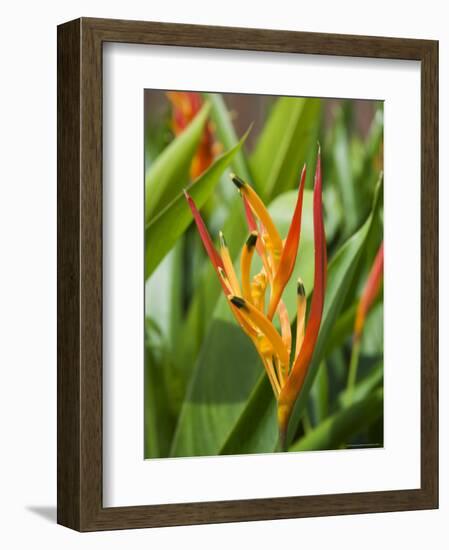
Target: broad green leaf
(162,293)
(372,338)
(350,194)
(284,145)
(343,328)
(333,212)
(319,395)
(339,277)
(255,430)
(226,134)
(338,428)
(164,230)
(169,173)
(159,417)
(260,407)
(224,377)
(163,310)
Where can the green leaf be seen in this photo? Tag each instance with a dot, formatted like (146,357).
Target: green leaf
(170,171)
(343,425)
(373,331)
(163,309)
(164,230)
(356,180)
(162,293)
(226,132)
(319,395)
(224,377)
(343,328)
(158,415)
(364,387)
(350,194)
(260,409)
(283,147)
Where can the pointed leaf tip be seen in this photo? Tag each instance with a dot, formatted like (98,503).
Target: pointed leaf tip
(290,251)
(204,234)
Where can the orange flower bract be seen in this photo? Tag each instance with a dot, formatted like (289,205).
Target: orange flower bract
(247,300)
(186,106)
(370,291)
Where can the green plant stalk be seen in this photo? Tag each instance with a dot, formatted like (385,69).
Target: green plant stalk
(353,366)
(281,446)
(307,425)
(345,423)
(226,132)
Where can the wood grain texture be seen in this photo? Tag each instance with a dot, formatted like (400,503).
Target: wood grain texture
(80,350)
(68,317)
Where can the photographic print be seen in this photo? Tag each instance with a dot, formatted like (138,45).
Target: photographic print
(221,278)
(263,274)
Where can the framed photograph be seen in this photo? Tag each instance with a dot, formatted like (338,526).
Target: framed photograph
(247,274)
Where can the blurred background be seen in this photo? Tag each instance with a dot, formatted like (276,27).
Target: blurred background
(246,109)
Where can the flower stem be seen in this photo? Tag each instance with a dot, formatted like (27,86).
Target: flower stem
(282,441)
(353,365)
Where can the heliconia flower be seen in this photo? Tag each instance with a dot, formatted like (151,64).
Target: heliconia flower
(369,294)
(301,363)
(290,249)
(247,297)
(370,291)
(186,106)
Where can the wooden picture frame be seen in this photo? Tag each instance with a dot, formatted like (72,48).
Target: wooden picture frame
(80,504)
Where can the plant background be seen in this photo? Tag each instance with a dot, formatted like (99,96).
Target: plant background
(205,389)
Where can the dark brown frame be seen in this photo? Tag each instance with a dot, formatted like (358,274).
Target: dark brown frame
(80,273)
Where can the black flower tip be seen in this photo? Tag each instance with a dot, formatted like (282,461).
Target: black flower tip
(300,288)
(251,240)
(238,302)
(238,182)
